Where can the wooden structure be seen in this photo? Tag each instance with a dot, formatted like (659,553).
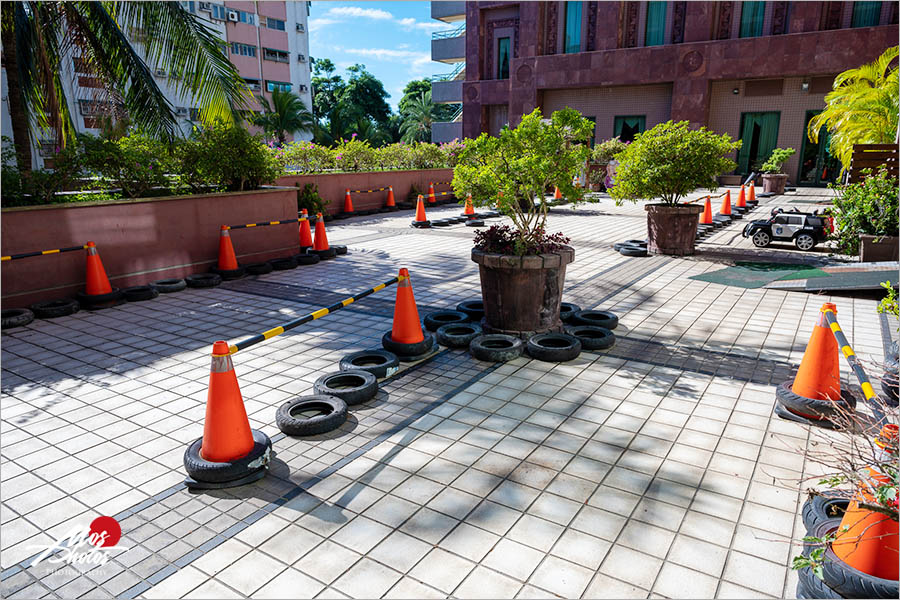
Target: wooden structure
(872,156)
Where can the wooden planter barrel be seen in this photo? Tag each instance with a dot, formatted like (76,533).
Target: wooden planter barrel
(522,294)
(672,228)
(774,182)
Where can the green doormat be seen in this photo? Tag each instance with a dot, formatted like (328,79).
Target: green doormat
(758,274)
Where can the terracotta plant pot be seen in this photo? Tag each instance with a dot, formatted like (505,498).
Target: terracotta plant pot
(521,294)
(730,180)
(774,182)
(672,228)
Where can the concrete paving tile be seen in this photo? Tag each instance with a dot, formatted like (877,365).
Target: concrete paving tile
(327,561)
(367,578)
(514,559)
(399,551)
(631,566)
(442,570)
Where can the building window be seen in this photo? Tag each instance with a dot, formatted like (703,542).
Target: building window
(271,86)
(573,28)
(625,128)
(253,84)
(243,49)
(866,14)
(245,17)
(759,136)
(219,12)
(752,19)
(655,34)
(274,23)
(503,58)
(276,55)
(188,6)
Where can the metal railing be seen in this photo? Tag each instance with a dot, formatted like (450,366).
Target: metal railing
(457,115)
(452,75)
(449,33)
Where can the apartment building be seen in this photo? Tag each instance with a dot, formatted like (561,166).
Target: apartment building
(449,46)
(755,70)
(267,41)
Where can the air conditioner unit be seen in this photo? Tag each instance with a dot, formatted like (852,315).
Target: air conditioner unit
(301,58)
(160,72)
(301,88)
(181,111)
(300,28)
(232,15)
(205,6)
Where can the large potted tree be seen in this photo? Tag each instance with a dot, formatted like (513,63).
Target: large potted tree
(772,177)
(667,163)
(522,267)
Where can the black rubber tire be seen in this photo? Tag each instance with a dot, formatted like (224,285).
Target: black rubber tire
(16,317)
(598,318)
(441,223)
(203,280)
(808,407)
(259,268)
(229,274)
(553,347)
(139,293)
(407,350)
(784,413)
(473,308)
(324,254)
(475,223)
(496,347)
(642,243)
(86,300)
(444,317)
(340,250)
(567,310)
(421,224)
(630,250)
(51,309)
(592,337)
(379,363)
(283,264)
(810,586)
(214,472)
(458,335)
(353,387)
(167,286)
(329,413)
(830,504)
(307,259)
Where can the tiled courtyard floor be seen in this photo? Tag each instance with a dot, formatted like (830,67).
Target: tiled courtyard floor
(653,469)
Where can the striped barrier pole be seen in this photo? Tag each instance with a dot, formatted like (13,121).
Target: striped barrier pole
(275,331)
(381,189)
(41,253)
(265,223)
(847,351)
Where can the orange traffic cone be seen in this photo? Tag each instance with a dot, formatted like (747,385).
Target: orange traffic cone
(407,328)
(707,217)
(866,540)
(227,259)
(321,242)
(557,195)
(226,431)
(742,200)
(421,220)
(470,210)
(348,203)
(725,209)
(306,240)
(96,281)
(431,198)
(819,375)
(390,204)
(752,198)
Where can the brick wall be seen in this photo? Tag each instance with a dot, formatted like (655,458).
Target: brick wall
(606,103)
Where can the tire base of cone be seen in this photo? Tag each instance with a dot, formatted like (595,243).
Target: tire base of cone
(411,352)
(789,415)
(246,471)
(193,484)
(228,274)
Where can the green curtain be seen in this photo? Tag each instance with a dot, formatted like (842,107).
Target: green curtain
(759,135)
(625,128)
(752,14)
(503,58)
(866,14)
(656,24)
(573,27)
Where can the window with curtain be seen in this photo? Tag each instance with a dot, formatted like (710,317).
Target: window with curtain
(759,135)
(752,14)
(626,127)
(573,28)
(866,14)
(655,34)
(503,58)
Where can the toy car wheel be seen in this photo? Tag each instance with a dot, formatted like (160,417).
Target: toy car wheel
(804,241)
(761,239)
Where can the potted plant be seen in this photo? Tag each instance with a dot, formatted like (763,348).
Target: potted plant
(667,163)
(865,217)
(523,268)
(603,162)
(772,177)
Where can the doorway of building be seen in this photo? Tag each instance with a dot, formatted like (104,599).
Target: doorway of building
(759,134)
(817,166)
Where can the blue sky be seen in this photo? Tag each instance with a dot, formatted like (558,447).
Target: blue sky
(393,40)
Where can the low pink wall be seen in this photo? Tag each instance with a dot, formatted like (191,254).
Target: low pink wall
(332,186)
(139,241)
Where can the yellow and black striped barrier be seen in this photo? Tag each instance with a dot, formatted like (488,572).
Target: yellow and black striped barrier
(442,183)
(847,351)
(382,189)
(265,223)
(265,335)
(436,194)
(41,253)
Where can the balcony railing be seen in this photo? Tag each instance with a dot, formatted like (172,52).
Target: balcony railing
(456,115)
(449,33)
(452,75)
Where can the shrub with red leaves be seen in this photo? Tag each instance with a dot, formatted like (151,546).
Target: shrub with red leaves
(503,239)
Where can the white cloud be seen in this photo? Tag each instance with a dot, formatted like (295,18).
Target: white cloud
(410,23)
(317,23)
(411,57)
(356,11)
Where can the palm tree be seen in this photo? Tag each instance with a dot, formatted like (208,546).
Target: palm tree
(288,115)
(340,124)
(420,114)
(42,40)
(862,107)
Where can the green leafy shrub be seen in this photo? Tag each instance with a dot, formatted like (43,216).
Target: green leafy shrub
(226,156)
(670,161)
(608,150)
(306,157)
(426,156)
(778,157)
(354,155)
(868,207)
(39,186)
(889,304)
(308,197)
(135,163)
(452,152)
(393,156)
